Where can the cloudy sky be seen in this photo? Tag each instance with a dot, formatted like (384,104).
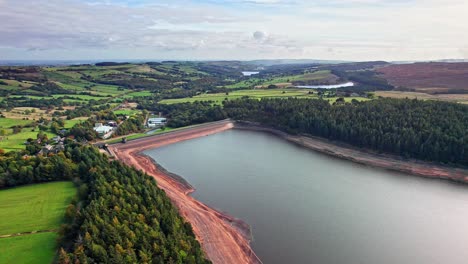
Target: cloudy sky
(234,29)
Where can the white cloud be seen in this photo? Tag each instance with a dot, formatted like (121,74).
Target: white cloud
(336,29)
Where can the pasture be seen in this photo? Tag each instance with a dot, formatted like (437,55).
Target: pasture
(138,94)
(12,142)
(126,112)
(323,76)
(10,122)
(70,123)
(28,249)
(218,98)
(460,98)
(34,207)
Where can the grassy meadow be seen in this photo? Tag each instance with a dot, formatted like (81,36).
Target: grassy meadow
(28,249)
(12,142)
(10,122)
(218,98)
(285,81)
(32,208)
(127,112)
(457,98)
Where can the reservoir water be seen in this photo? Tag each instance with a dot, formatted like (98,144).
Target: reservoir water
(306,207)
(249,73)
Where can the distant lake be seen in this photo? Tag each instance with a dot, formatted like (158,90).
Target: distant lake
(249,73)
(331,86)
(307,207)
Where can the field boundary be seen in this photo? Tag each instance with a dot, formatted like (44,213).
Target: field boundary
(29,233)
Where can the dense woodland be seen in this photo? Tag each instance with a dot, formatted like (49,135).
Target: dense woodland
(427,130)
(119,214)
(131,125)
(185,114)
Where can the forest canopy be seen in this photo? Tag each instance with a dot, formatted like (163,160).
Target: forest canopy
(427,130)
(119,215)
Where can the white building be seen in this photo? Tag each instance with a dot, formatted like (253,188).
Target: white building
(156,122)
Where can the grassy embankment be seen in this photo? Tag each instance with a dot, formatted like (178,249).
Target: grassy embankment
(26,209)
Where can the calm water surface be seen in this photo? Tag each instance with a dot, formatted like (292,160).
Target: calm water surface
(306,207)
(249,73)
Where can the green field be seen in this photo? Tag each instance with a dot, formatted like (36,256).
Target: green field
(16,141)
(16,83)
(107,90)
(34,207)
(70,123)
(325,76)
(139,94)
(9,122)
(218,98)
(28,249)
(83,97)
(127,112)
(314,76)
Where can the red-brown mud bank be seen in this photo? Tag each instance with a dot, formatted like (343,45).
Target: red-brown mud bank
(224,239)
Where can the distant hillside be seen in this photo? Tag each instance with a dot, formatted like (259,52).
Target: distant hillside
(430,77)
(288,61)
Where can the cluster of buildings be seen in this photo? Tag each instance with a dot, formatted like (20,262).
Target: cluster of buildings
(54,149)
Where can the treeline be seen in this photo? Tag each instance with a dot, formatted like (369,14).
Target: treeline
(185,114)
(24,101)
(49,88)
(119,214)
(131,125)
(83,131)
(363,81)
(427,130)
(17,169)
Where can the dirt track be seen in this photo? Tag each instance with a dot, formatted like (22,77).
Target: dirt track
(224,238)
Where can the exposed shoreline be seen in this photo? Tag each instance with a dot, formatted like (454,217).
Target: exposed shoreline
(365,157)
(224,238)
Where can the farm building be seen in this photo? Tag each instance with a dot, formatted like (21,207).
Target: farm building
(101,129)
(156,122)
